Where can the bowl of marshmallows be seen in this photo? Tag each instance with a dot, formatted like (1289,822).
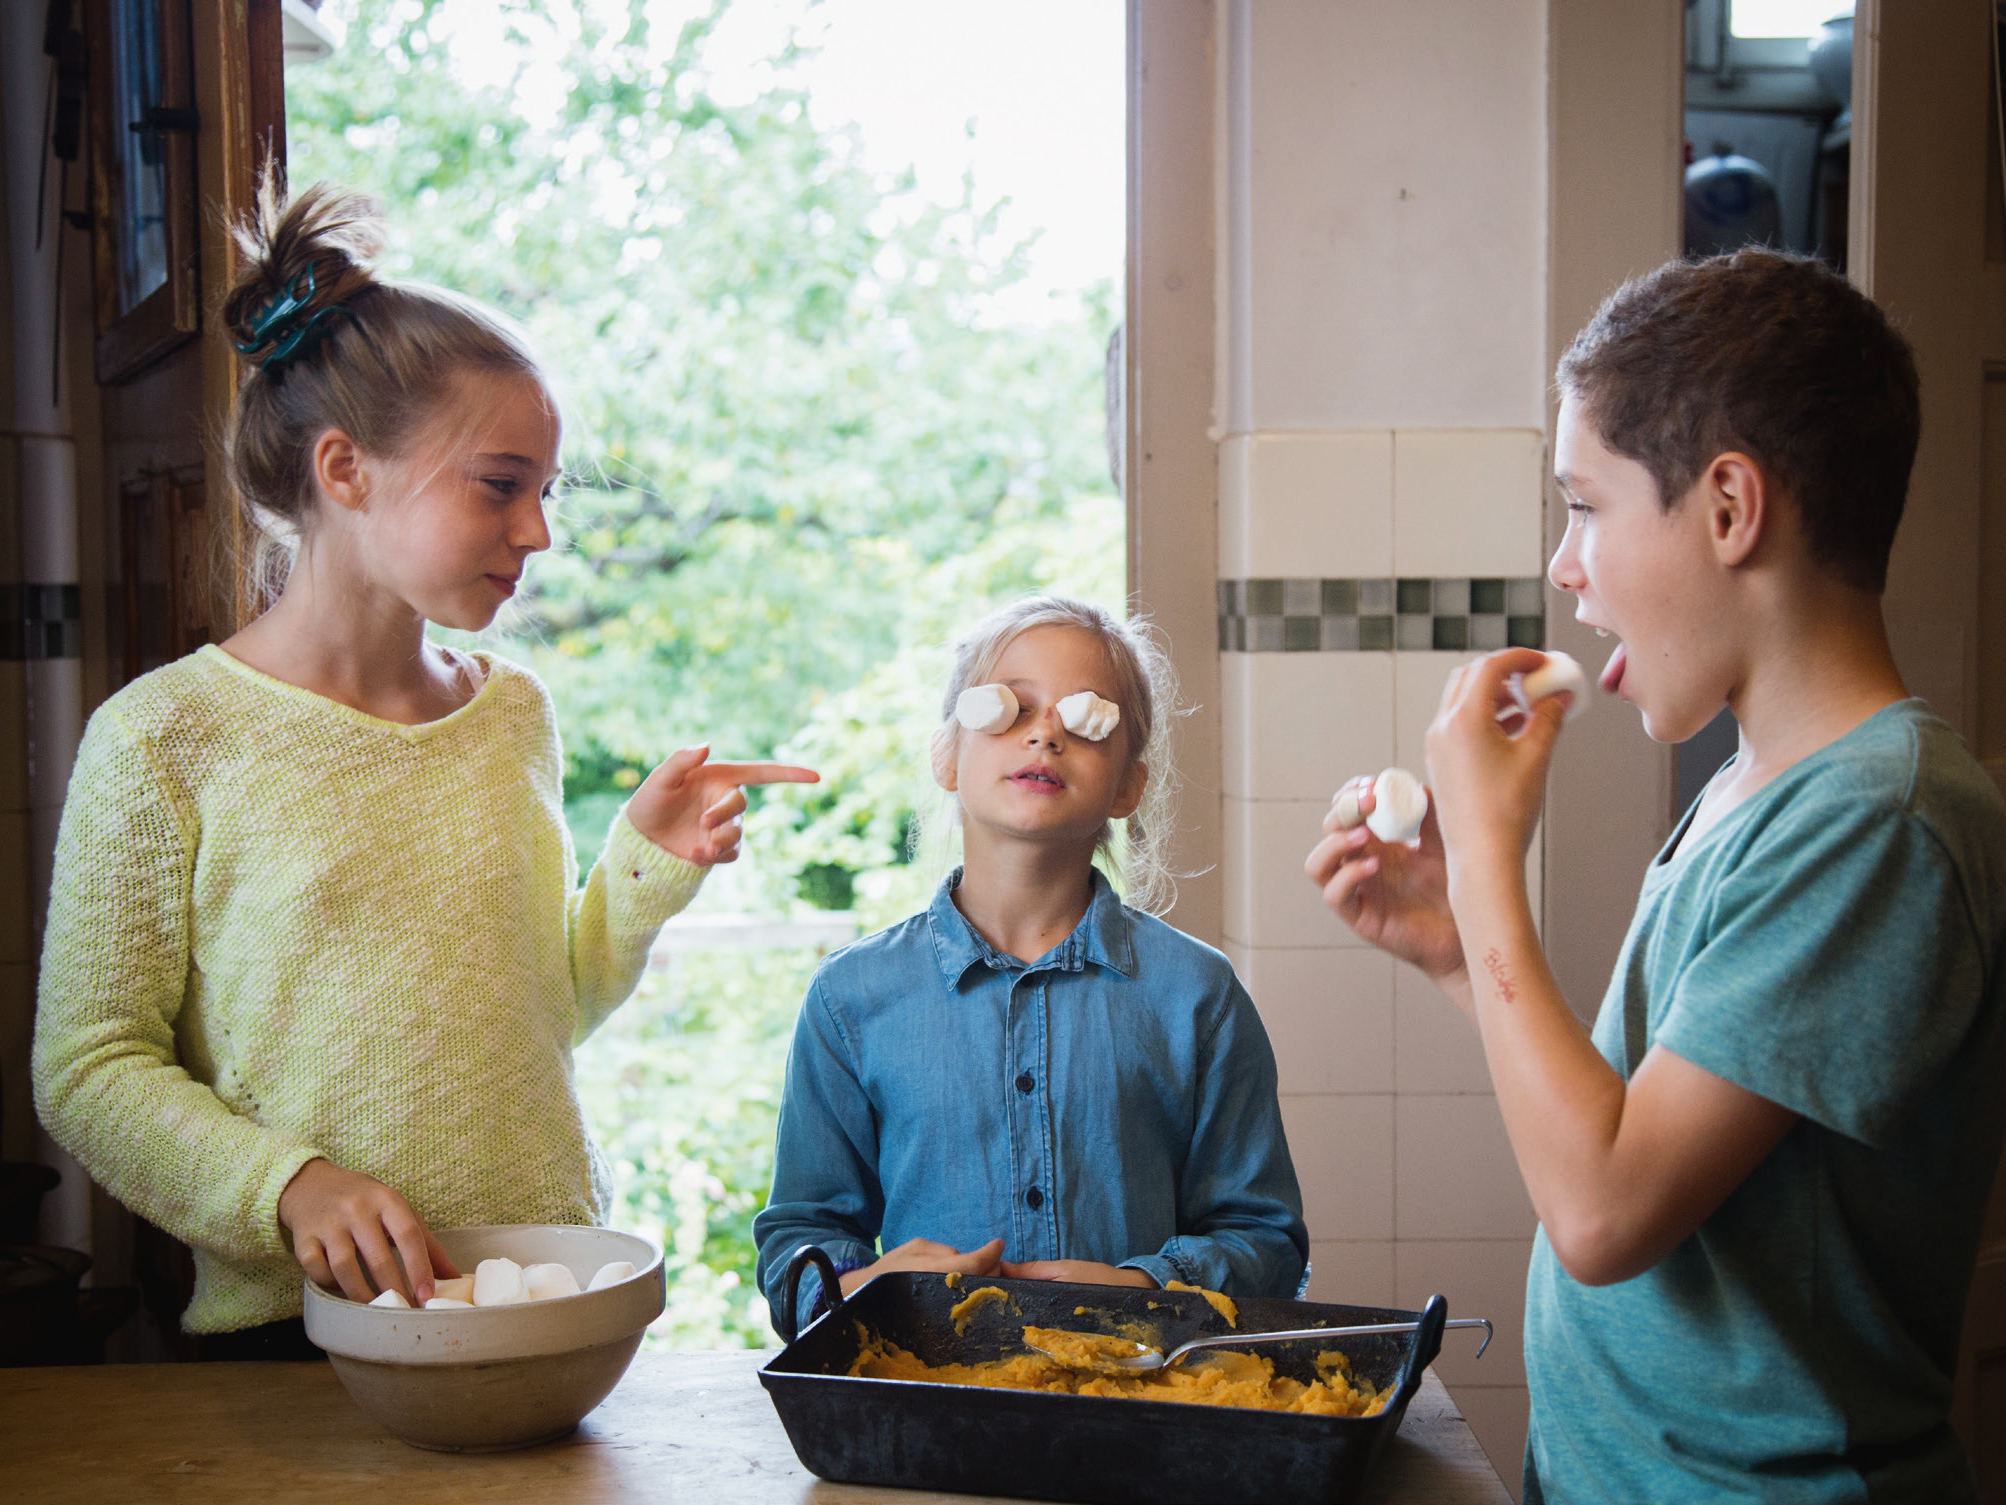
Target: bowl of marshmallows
(534,1334)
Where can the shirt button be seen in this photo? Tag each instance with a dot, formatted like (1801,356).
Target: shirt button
(1025,1082)
(1034,1199)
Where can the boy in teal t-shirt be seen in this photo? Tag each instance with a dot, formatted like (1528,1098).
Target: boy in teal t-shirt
(1760,1182)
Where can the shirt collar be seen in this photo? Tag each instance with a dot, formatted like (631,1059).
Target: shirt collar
(1102,937)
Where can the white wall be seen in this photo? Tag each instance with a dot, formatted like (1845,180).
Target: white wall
(1381,414)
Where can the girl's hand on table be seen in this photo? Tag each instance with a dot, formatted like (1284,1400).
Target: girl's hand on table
(1393,895)
(925,1254)
(695,808)
(1078,1272)
(345,1227)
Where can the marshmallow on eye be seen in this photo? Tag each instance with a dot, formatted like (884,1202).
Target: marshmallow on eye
(1087,715)
(986,708)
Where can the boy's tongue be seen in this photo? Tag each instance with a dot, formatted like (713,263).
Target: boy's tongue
(1612,672)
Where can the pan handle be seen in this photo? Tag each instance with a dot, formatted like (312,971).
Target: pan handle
(803,1257)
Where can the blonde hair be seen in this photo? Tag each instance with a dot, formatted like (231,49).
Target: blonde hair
(1145,687)
(328,344)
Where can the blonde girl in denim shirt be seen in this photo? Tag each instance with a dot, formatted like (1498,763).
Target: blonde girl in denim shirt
(1033,1078)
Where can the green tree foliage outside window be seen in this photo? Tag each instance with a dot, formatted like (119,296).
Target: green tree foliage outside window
(805,448)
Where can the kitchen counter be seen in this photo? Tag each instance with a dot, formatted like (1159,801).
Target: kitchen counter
(686,1427)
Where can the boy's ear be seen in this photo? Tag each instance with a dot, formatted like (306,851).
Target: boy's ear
(338,470)
(1129,795)
(1737,499)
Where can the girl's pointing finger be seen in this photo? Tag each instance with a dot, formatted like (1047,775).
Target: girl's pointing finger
(765,773)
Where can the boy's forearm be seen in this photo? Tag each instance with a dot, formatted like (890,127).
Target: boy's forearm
(1562,1103)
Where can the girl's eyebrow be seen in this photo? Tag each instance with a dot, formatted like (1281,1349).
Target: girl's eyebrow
(524,460)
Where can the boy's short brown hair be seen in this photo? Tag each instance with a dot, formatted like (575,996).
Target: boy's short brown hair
(1777,356)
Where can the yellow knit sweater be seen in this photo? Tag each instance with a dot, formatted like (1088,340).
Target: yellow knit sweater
(280,928)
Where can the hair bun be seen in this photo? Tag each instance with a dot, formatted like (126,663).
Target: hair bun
(304,263)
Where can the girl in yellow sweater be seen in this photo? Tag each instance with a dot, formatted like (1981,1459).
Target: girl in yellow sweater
(315,961)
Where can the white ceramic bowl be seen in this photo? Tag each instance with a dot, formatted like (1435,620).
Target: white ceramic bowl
(497,1377)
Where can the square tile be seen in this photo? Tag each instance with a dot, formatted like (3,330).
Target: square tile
(1263,598)
(1266,634)
(1375,598)
(1452,598)
(1455,1176)
(1328,1013)
(1302,598)
(1525,597)
(1487,633)
(1340,635)
(1268,900)
(1414,634)
(1296,726)
(1526,632)
(1339,598)
(1302,634)
(1487,596)
(1351,1272)
(1469,502)
(1480,1278)
(1435,1048)
(1414,597)
(1451,633)
(1343,1153)
(1375,634)
(1498,1415)
(1313,503)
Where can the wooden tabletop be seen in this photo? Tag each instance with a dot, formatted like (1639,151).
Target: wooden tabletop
(685,1427)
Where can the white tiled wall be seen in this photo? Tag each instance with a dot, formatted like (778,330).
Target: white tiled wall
(1409,1183)
(1382,385)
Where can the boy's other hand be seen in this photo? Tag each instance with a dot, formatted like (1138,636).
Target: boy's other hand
(1489,780)
(925,1254)
(1078,1272)
(1393,895)
(345,1225)
(696,808)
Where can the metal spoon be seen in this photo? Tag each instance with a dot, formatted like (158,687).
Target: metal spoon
(1145,1358)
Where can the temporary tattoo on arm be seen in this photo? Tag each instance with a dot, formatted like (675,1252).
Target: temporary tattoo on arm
(1494,964)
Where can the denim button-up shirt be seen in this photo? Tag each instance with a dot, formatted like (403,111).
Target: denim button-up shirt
(1112,1101)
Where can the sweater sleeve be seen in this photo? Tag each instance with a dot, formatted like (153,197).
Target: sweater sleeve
(632,888)
(109,1084)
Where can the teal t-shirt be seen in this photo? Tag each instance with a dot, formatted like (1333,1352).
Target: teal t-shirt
(1833,944)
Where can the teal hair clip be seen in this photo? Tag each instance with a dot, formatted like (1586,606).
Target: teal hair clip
(279,321)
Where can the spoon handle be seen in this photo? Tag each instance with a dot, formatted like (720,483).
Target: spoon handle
(1307,1334)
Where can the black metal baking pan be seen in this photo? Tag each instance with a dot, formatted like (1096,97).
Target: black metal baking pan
(1079,1447)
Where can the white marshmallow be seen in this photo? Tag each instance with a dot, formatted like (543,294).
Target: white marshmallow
(1087,715)
(1561,671)
(986,708)
(611,1275)
(392,1297)
(459,1288)
(1399,805)
(447,1304)
(547,1281)
(498,1282)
